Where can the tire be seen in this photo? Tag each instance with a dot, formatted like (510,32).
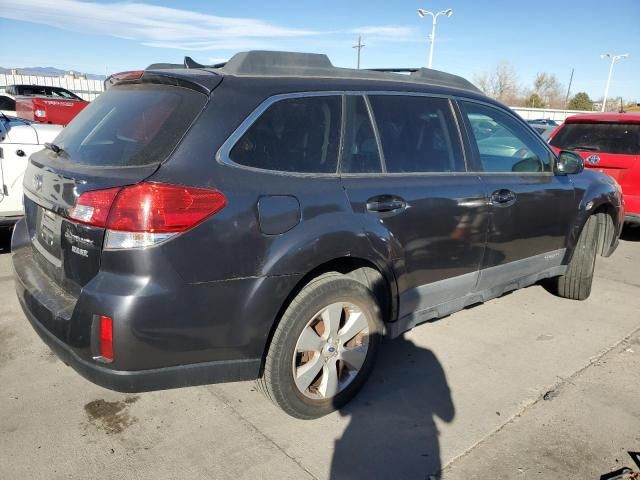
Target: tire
(306,351)
(576,283)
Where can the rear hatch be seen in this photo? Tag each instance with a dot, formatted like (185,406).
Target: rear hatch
(612,148)
(120,139)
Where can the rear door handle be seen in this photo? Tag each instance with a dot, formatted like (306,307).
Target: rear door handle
(386,205)
(503,198)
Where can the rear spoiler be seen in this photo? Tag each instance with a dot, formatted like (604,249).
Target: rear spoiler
(203,81)
(187,63)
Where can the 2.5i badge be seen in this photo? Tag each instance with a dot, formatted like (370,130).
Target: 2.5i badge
(72,238)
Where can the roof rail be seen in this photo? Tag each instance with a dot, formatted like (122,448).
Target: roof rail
(260,62)
(295,64)
(436,77)
(393,70)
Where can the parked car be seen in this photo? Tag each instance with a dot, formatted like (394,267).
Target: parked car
(609,143)
(543,121)
(275,217)
(18,139)
(544,131)
(44,104)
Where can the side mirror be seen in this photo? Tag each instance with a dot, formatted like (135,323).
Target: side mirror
(569,163)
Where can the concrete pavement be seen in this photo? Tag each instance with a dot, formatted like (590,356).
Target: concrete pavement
(465,393)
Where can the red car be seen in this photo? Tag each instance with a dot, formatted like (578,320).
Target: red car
(46,104)
(609,143)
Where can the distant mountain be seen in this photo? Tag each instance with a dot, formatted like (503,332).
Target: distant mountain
(49,71)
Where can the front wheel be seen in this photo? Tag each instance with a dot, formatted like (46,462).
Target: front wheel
(323,348)
(576,282)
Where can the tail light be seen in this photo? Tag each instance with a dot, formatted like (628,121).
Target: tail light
(147,213)
(106,338)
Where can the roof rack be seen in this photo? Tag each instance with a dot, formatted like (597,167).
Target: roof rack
(294,64)
(393,70)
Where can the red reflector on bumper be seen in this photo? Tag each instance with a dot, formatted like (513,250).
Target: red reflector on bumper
(106,338)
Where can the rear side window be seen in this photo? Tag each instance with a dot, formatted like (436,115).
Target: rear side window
(617,138)
(360,154)
(418,134)
(293,135)
(131,125)
(503,143)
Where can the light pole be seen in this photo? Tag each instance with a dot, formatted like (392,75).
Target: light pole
(423,13)
(614,59)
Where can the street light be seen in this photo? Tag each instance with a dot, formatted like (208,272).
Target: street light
(423,13)
(614,59)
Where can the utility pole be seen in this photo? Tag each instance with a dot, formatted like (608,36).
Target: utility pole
(359,47)
(614,59)
(566,100)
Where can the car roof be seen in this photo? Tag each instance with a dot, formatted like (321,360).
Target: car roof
(604,117)
(286,65)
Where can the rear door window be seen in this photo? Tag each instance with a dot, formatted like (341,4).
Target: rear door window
(293,135)
(617,138)
(360,154)
(131,125)
(503,143)
(418,134)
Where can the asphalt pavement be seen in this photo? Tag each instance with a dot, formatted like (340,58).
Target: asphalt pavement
(525,386)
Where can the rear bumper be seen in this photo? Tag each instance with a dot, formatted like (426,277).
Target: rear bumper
(633,218)
(167,333)
(146,380)
(632,208)
(9,221)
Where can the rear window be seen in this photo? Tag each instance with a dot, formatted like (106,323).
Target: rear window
(617,138)
(131,125)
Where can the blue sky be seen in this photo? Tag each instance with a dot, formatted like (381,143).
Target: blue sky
(553,36)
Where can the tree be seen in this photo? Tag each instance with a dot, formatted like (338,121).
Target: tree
(548,88)
(500,83)
(534,101)
(581,101)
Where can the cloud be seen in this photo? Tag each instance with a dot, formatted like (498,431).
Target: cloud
(165,27)
(387,32)
(150,24)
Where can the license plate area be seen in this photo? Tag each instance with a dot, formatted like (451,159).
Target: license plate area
(47,237)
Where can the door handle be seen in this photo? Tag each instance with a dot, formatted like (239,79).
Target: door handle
(503,198)
(20,153)
(386,205)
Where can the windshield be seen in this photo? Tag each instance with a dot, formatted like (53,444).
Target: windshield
(131,125)
(616,138)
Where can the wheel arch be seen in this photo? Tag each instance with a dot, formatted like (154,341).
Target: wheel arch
(606,213)
(379,280)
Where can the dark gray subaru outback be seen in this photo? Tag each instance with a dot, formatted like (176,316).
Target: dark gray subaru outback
(274,217)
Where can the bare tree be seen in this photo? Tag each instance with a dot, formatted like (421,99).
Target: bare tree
(500,83)
(548,88)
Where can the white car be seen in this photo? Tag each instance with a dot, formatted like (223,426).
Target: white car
(18,139)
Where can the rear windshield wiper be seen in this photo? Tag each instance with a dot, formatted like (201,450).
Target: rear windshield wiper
(53,147)
(589,148)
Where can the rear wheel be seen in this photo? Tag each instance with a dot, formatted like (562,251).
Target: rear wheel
(576,283)
(323,348)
